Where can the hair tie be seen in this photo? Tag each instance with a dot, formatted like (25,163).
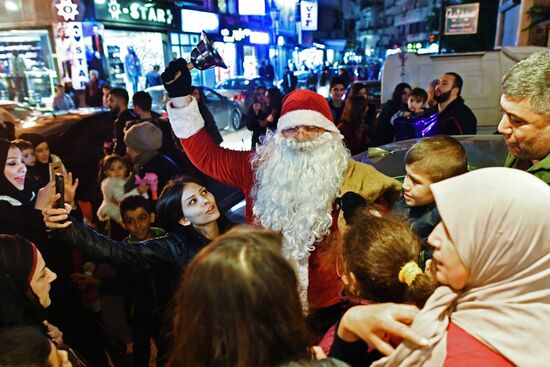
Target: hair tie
(408,272)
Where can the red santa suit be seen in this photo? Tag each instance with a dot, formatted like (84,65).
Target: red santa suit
(235,169)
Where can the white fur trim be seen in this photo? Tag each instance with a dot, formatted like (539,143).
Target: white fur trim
(184,116)
(305,117)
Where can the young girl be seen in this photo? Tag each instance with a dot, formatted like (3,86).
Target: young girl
(114,172)
(379,263)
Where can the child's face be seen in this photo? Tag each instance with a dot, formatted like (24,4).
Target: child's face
(416,187)
(28,157)
(138,223)
(117,170)
(414,104)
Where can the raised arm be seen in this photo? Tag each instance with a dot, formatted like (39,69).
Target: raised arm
(85,239)
(229,166)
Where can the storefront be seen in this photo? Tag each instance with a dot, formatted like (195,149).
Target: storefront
(135,39)
(27,71)
(193,22)
(249,45)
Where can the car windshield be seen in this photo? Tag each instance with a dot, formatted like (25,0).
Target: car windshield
(234,84)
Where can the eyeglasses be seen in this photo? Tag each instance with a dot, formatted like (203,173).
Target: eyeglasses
(308,130)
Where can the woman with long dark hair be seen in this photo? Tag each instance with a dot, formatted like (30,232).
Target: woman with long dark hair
(185,209)
(189,214)
(385,132)
(238,306)
(353,126)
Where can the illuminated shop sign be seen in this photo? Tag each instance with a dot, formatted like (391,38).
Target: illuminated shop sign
(238,35)
(194,21)
(461,19)
(251,7)
(308,13)
(158,14)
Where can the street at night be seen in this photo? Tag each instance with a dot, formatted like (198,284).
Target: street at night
(248,183)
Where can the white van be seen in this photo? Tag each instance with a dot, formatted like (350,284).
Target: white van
(481,72)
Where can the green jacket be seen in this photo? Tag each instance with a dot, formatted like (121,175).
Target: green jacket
(540,170)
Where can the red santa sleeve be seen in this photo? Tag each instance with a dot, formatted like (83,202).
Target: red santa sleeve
(225,165)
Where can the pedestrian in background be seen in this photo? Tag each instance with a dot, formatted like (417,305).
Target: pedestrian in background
(152,78)
(94,94)
(62,101)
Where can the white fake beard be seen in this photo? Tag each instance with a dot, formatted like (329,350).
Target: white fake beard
(296,184)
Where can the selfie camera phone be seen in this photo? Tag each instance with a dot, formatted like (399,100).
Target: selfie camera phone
(60,189)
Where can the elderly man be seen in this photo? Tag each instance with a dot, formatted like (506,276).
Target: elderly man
(290,182)
(525,124)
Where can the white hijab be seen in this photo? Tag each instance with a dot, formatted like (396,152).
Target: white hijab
(499,221)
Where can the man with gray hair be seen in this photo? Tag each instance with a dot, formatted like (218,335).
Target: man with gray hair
(525,124)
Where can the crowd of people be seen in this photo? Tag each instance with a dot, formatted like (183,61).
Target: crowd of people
(337,264)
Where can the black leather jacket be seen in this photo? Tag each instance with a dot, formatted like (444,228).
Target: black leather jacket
(170,253)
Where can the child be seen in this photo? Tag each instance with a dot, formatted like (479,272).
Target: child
(140,287)
(43,157)
(415,121)
(430,160)
(114,172)
(380,260)
(137,217)
(415,105)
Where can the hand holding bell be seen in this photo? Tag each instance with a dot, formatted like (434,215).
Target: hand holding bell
(176,77)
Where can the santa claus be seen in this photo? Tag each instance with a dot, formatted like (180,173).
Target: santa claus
(290,182)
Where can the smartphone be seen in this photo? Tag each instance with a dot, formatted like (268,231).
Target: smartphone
(55,167)
(60,189)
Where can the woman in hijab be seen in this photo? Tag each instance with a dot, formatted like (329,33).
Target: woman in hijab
(492,257)
(25,286)
(17,212)
(41,169)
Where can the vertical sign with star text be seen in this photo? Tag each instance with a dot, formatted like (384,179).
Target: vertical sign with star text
(157,14)
(79,66)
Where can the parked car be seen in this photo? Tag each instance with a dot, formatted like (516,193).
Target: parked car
(482,151)
(241,90)
(48,123)
(226,112)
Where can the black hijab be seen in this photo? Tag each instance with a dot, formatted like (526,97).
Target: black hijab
(40,170)
(18,303)
(6,187)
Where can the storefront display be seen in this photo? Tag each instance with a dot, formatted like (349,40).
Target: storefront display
(131,55)
(228,52)
(78,47)
(27,72)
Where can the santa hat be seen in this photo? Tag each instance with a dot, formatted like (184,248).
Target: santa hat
(306,108)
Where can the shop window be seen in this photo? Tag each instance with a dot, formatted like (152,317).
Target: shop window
(181,45)
(131,55)
(27,73)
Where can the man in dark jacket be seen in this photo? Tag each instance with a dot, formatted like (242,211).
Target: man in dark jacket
(118,102)
(93,94)
(290,81)
(142,142)
(455,117)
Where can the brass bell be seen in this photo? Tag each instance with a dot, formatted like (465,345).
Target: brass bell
(204,55)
